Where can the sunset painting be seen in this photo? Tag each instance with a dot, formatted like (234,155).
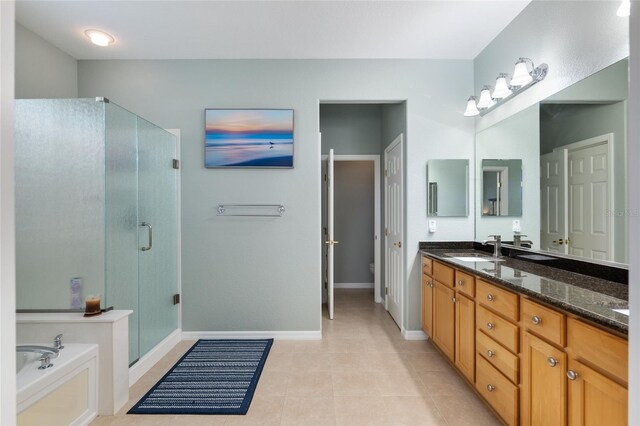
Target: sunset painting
(248,138)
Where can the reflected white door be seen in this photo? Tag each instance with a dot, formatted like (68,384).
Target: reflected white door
(394,229)
(330,241)
(589,200)
(553,201)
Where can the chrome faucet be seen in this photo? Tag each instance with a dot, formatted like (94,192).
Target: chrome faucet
(46,354)
(518,241)
(57,342)
(497,244)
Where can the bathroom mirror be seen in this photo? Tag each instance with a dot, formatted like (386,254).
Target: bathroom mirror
(573,148)
(501,188)
(448,188)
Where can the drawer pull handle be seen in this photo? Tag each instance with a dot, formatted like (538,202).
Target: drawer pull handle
(490,325)
(536,320)
(552,361)
(460,282)
(491,388)
(572,375)
(490,353)
(490,297)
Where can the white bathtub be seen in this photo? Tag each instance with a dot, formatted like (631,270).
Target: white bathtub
(65,394)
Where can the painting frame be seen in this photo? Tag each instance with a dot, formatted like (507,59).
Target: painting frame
(231,143)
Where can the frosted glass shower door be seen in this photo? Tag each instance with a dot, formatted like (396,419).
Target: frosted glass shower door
(157,229)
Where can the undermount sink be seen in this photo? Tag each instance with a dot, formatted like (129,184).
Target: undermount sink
(478,259)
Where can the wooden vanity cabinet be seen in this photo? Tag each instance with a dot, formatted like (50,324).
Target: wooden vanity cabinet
(465,336)
(427,305)
(443,319)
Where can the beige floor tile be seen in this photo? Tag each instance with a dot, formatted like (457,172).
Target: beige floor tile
(386,361)
(354,383)
(429,361)
(357,410)
(262,411)
(311,361)
(413,410)
(272,383)
(146,419)
(309,346)
(420,346)
(345,345)
(347,362)
(310,384)
(199,420)
(308,411)
(279,361)
(398,383)
(281,346)
(444,383)
(475,412)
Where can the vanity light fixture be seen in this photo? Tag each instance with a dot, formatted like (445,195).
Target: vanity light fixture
(486,101)
(525,75)
(472,108)
(502,89)
(99,38)
(625,8)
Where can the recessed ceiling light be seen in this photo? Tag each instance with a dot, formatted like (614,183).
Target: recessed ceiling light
(99,38)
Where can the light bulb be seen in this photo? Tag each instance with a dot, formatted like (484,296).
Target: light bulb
(472,109)
(99,38)
(502,88)
(625,8)
(485,98)
(521,75)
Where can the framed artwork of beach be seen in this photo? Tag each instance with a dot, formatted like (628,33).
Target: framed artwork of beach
(248,138)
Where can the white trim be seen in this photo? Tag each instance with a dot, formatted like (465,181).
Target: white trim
(144,364)
(353,285)
(177,134)
(278,335)
(414,335)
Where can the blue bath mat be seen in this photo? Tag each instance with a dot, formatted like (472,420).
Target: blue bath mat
(213,377)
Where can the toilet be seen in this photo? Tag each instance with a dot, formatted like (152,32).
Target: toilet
(372,268)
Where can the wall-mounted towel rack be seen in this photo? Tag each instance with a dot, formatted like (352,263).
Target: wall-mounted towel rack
(264,210)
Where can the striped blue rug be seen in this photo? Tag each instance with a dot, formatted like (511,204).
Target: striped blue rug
(213,377)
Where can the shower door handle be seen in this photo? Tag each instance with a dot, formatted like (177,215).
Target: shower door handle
(150,245)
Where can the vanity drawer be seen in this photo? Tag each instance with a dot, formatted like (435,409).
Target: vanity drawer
(498,356)
(543,321)
(443,274)
(599,348)
(501,301)
(497,390)
(427,266)
(499,329)
(465,283)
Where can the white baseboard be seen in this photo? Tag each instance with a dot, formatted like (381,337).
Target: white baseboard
(149,359)
(414,335)
(278,335)
(353,285)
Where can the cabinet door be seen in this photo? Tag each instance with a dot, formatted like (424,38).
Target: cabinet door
(544,384)
(427,305)
(595,399)
(443,318)
(465,336)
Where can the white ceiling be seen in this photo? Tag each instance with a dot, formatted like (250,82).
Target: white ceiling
(271,29)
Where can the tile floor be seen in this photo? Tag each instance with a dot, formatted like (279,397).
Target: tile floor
(362,372)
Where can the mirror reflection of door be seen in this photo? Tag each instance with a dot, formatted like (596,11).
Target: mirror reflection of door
(501,187)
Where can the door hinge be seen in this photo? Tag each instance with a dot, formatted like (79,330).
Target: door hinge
(386,172)
(386,290)
(386,232)
(176,299)
(176,164)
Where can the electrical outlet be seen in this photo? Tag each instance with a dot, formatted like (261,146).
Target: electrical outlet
(516,226)
(432,226)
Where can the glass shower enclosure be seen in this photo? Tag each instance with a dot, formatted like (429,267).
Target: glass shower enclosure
(96,213)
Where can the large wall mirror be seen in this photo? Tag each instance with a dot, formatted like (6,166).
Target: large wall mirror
(573,147)
(448,188)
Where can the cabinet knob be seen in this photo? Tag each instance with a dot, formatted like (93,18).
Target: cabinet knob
(490,325)
(490,297)
(552,361)
(491,388)
(460,282)
(453,299)
(536,320)
(490,353)
(572,375)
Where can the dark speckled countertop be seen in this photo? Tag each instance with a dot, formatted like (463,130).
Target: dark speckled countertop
(587,297)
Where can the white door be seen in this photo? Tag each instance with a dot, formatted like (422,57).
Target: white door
(589,200)
(553,201)
(330,242)
(394,229)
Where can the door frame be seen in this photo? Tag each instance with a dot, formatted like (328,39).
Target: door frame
(606,139)
(376,214)
(399,140)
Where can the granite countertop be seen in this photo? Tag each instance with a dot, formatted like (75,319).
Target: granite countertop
(594,299)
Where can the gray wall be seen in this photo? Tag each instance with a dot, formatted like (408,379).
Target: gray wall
(264,274)
(562,124)
(354,221)
(43,70)
(351,128)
